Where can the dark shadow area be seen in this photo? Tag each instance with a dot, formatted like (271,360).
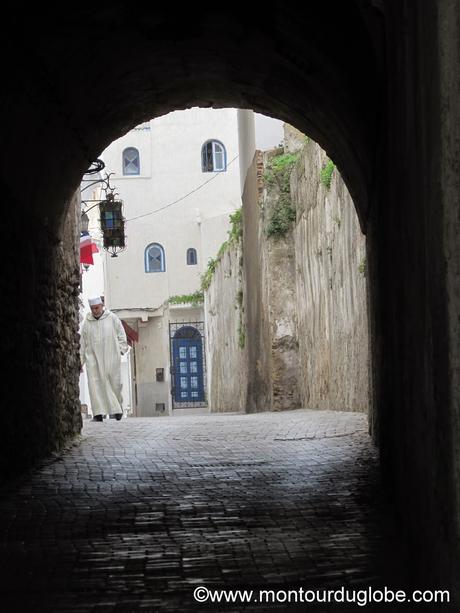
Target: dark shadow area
(375,84)
(112,528)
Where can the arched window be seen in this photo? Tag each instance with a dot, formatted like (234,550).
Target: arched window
(154,258)
(191,257)
(213,157)
(131,161)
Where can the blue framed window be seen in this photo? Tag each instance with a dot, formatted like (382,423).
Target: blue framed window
(213,156)
(131,161)
(154,258)
(191,257)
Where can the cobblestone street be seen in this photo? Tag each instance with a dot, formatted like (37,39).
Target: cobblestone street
(142,511)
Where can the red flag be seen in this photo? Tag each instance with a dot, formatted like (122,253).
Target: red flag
(131,335)
(86,250)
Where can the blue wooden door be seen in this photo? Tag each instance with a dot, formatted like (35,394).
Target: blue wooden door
(188,370)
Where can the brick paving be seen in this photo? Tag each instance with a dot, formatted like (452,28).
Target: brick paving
(142,511)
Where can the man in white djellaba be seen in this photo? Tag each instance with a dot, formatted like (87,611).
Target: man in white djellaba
(103,340)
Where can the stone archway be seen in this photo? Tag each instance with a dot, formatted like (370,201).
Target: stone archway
(367,80)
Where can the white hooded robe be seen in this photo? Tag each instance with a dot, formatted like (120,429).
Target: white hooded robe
(102,342)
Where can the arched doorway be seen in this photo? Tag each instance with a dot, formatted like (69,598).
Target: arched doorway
(188,365)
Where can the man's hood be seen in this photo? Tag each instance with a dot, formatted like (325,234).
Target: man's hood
(90,316)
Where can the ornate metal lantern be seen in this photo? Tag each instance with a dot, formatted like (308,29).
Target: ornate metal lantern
(84,222)
(112,224)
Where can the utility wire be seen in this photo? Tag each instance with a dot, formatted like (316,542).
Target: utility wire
(182,197)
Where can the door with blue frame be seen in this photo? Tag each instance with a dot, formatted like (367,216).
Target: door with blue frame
(187,350)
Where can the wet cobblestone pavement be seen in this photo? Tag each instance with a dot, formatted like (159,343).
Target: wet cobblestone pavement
(142,511)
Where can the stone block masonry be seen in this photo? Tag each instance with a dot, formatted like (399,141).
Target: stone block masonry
(42,410)
(302,287)
(225,331)
(330,260)
(145,510)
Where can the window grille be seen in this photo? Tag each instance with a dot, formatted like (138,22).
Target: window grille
(213,157)
(155,258)
(131,161)
(191,257)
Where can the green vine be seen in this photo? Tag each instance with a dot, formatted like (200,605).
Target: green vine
(363,266)
(326,173)
(278,173)
(279,168)
(235,235)
(206,277)
(222,250)
(281,220)
(194,299)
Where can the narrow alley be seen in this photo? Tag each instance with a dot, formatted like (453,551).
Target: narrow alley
(143,511)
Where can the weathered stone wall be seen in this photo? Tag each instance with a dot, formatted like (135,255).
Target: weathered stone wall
(41,405)
(414,267)
(330,261)
(449,59)
(225,334)
(394,136)
(272,347)
(279,301)
(259,392)
(305,296)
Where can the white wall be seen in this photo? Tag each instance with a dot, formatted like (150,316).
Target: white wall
(174,203)
(269,132)
(170,162)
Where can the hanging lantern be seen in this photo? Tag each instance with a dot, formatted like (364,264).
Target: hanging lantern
(84,222)
(112,225)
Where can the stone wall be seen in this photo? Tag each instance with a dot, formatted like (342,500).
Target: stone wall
(279,299)
(394,135)
(330,256)
(225,334)
(449,56)
(414,266)
(304,295)
(41,404)
(259,396)
(269,273)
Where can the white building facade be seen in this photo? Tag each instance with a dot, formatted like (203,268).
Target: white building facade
(179,177)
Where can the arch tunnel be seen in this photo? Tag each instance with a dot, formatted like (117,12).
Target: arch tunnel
(375,83)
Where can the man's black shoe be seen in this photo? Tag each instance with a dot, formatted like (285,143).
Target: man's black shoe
(97,418)
(118,416)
